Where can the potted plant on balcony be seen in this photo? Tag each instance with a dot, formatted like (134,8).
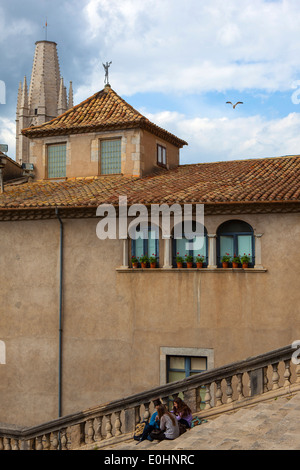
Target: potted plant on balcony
(134,261)
(189,261)
(236,261)
(199,261)
(144,260)
(225,260)
(179,260)
(152,260)
(245,260)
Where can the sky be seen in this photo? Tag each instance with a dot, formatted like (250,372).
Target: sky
(177,62)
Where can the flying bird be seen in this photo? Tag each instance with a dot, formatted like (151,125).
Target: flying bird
(234,105)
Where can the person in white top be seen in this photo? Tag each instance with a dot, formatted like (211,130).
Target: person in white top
(169,428)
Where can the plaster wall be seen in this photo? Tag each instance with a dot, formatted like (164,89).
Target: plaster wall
(115,323)
(138,153)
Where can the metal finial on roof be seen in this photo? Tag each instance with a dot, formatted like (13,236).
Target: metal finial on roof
(106,67)
(46,29)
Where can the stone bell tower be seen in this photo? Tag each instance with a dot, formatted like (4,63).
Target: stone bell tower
(46,98)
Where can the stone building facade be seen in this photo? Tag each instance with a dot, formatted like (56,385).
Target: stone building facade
(79,324)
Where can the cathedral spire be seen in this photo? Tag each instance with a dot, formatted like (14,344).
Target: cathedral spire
(40,104)
(62,98)
(24,98)
(70,100)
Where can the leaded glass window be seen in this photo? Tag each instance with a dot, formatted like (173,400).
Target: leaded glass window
(56,161)
(110,156)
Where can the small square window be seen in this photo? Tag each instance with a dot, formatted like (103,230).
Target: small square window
(161,155)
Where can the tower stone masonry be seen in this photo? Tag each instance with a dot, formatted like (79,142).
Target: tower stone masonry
(46,98)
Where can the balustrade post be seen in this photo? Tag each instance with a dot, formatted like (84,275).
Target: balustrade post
(46,443)
(15,444)
(229,389)
(39,443)
(7,445)
(275,376)
(55,441)
(108,426)
(218,393)
(98,430)
(64,439)
(240,388)
(266,380)
(89,439)
(207,398)
(287,373)
(118,425)
(147,411)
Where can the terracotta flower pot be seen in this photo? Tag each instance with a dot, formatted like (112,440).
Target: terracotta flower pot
(179,265)
(134,265)
(234,264)
(143,265)
(199,265)
(225,264)
(245,265)
(153,265)
(189,264)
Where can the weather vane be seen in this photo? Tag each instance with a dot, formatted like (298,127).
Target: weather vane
(106,67)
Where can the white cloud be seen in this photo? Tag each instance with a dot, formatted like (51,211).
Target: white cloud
(8,135)
(197,45)
(212,139)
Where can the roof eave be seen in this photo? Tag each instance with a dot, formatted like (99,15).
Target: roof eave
(32,132)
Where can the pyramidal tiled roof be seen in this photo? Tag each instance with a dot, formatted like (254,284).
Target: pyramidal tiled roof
(103,111)
(267,180)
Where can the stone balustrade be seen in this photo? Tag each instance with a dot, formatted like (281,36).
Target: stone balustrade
(209,393)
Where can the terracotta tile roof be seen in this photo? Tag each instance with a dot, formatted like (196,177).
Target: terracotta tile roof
(103,111)
(266,180)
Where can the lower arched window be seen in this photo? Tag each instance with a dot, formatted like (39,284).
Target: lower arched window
(235,238)
(191,249)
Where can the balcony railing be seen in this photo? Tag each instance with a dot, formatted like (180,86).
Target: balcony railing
(222,389)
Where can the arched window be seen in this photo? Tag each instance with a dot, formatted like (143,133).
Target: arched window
(195,247)
(236,238)
(147,244)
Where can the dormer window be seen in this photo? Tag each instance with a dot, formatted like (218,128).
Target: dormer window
(161,155)
(56,161)
(110,156)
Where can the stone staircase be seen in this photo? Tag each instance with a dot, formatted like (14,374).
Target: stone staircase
(250,404)
(269,425)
